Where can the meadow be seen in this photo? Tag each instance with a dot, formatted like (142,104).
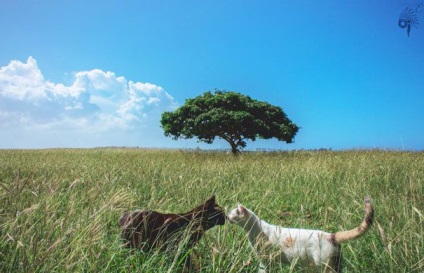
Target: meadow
(59,208)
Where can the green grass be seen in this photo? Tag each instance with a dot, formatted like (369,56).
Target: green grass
(59,208)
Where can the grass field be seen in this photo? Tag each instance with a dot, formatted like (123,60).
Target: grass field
(59,208)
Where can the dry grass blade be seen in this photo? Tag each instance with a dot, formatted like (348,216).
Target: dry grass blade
(382,234)
(417,211)
(4,187)
(73,184)
(419,266)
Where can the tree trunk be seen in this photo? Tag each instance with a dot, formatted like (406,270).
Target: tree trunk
(234,149)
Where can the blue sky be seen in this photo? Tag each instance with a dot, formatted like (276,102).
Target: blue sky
(100,73)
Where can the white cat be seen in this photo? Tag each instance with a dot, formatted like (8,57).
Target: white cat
(316,250)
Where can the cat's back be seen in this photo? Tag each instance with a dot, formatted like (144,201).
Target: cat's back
(292,237)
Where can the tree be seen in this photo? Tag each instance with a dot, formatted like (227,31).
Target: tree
(228,115)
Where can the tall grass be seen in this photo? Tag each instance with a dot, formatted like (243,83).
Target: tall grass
(59,208)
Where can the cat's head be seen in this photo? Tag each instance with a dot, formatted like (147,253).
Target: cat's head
(215,213)
(239,215)
(123,218)
(127,227)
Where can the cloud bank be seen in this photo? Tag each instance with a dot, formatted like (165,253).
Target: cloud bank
(97,109)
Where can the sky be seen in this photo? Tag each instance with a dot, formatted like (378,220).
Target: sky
(82,74)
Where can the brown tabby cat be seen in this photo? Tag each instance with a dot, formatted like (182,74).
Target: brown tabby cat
(146,229)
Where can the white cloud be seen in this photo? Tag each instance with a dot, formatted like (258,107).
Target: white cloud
(97,104)
(22,80)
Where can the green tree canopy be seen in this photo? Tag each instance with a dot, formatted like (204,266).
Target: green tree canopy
(228,115)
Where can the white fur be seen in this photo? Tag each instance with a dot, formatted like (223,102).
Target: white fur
(277,245)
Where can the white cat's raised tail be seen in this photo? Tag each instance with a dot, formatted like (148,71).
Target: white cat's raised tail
(316,250)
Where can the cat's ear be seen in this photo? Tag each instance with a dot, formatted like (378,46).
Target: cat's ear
(242,210)
(211,200)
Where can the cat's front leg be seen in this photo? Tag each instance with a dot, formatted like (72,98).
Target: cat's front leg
(262,268)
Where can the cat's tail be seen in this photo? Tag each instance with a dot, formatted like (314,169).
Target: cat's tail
(342,236)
